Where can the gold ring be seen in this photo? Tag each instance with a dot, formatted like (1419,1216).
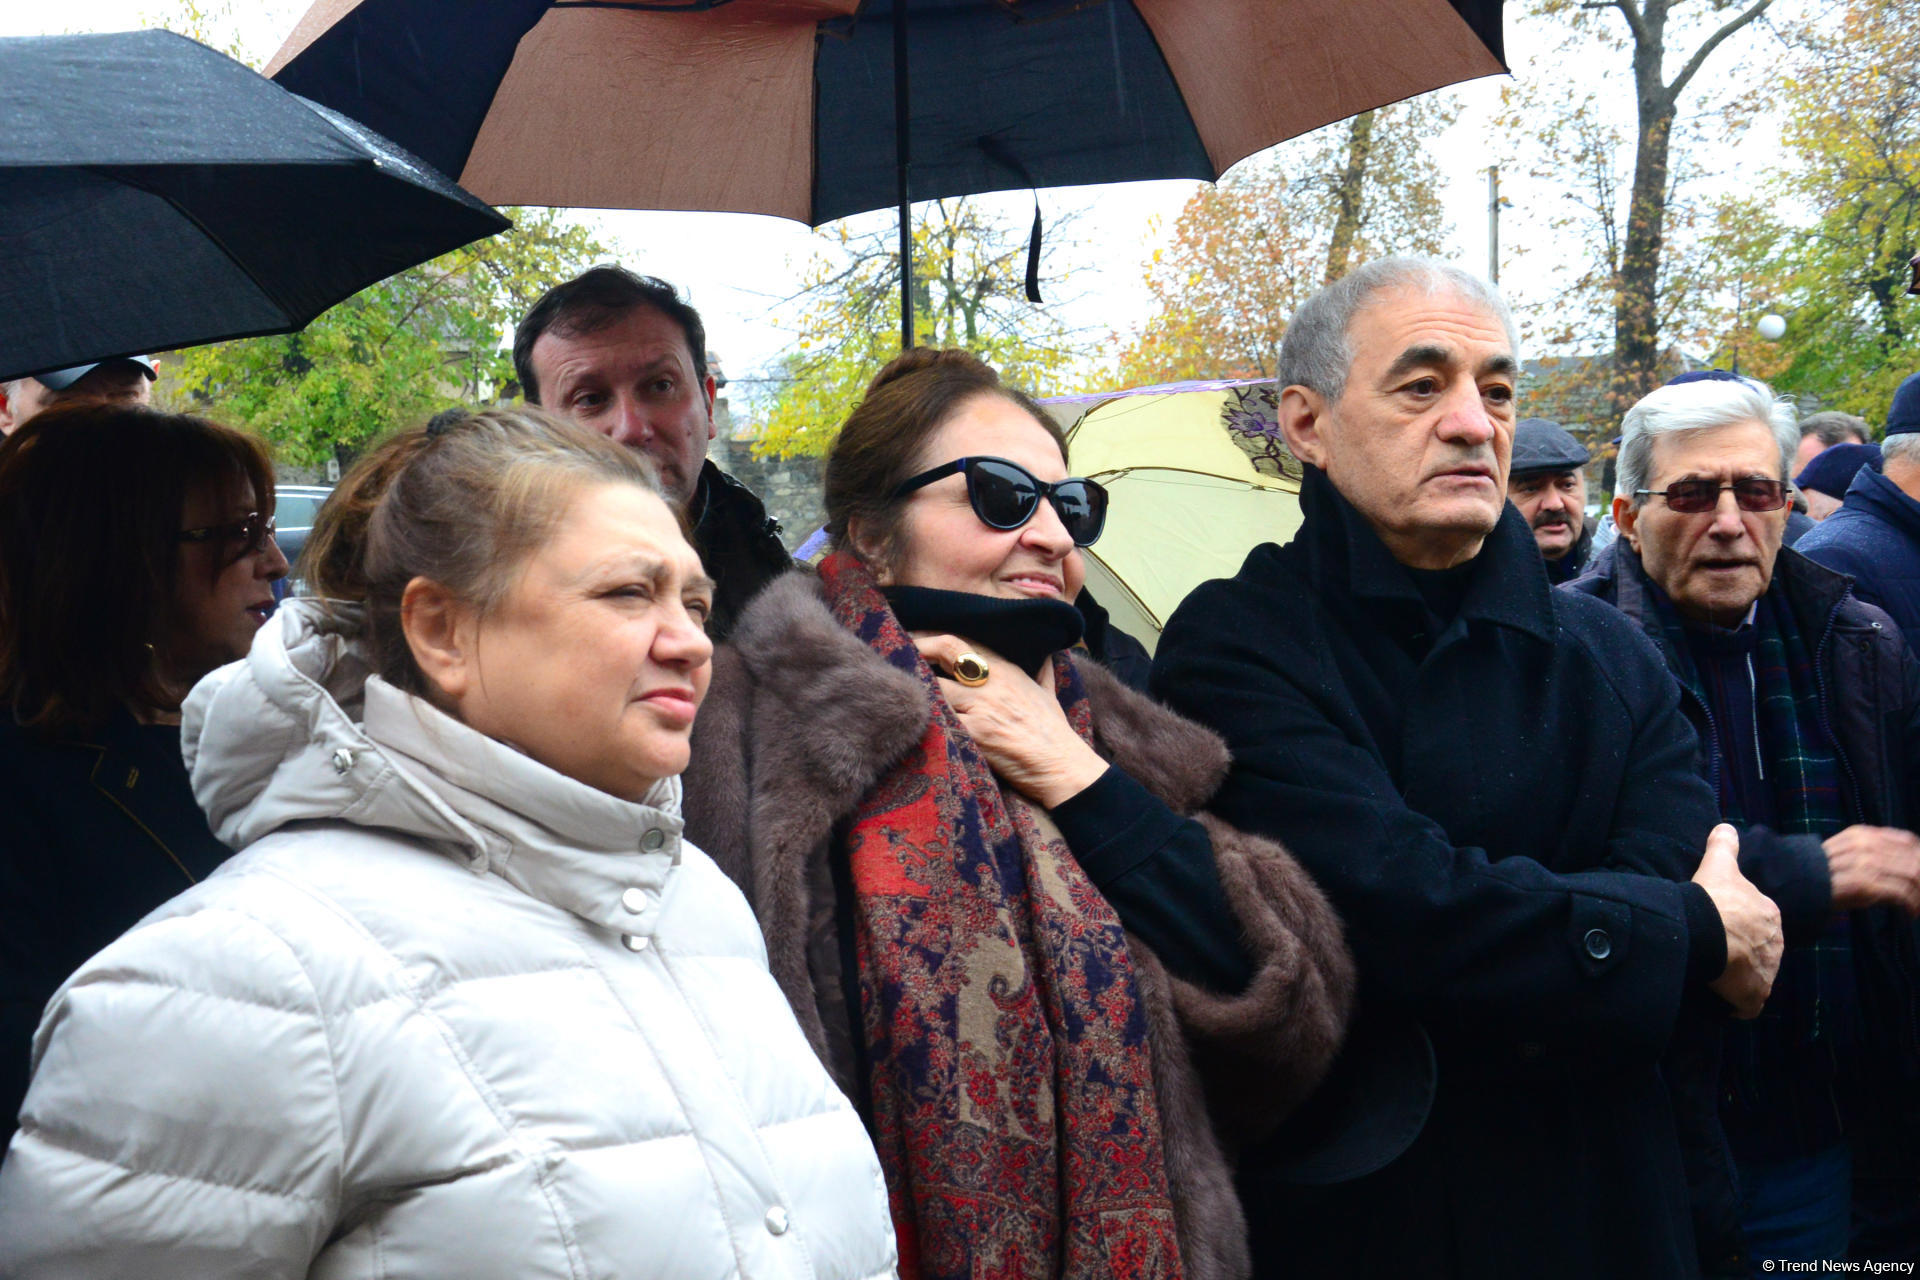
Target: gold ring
(970,669)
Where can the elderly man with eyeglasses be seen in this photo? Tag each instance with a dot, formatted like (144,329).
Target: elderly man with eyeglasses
(1808,708)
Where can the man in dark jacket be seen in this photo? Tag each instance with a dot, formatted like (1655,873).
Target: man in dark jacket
(1495,787)
(1547,485)
(1875,534)
(1808,708)
(624,355)
(1824,481)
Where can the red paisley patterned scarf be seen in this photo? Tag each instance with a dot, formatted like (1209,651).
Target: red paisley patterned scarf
(1012,1080)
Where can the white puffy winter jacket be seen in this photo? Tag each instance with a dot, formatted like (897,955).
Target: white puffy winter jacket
(449,1014)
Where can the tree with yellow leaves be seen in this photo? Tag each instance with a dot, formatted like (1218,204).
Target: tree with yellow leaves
(1247,251)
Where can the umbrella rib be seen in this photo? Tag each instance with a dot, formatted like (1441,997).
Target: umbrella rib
(1121,473)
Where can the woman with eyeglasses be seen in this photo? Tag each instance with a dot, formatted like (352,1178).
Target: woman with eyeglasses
(136,555)
(982,869)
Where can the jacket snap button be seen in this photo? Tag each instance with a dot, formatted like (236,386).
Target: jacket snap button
(1599,945)
(634,900)
(342,760)
(652,841)
(777,1220)
(635,941)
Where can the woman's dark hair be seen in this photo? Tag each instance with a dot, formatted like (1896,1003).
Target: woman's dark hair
(92,500)
(462,503)
(879,446)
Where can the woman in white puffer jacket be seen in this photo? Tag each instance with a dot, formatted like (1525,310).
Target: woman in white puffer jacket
(466,1004)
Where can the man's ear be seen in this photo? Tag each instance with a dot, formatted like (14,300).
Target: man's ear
(1302,412)
(1626,518)
(6,409)
(711,389)
(440,637)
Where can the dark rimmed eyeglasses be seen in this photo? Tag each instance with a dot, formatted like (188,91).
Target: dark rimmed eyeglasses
(1005,495)
(1694,497)
(245,536)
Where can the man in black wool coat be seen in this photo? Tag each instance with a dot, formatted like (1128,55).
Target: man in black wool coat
(1494,784)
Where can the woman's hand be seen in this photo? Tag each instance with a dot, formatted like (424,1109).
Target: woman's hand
(1017,723)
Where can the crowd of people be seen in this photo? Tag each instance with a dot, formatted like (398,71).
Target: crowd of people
(574,883)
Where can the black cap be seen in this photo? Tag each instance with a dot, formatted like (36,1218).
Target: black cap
(1904,416)
(61,379)
(1833,469)
(1540,445)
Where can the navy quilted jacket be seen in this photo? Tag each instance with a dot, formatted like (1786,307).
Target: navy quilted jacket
(1875,538)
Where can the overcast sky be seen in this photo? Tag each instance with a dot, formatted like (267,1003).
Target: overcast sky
(735,266)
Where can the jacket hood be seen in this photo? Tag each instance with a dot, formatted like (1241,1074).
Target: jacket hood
(300,730)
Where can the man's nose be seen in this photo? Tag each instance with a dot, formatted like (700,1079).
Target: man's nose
(630,422)
(1727,523)
(1466,420)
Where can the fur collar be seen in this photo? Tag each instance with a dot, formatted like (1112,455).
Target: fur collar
(816,685)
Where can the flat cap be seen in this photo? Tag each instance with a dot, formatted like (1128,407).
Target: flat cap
(1540,445)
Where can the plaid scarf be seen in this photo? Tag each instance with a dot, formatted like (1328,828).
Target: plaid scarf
(1803,768)
(1011,1077)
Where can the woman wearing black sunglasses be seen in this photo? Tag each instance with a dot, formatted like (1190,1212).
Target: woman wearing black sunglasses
(975,858)
(136,554)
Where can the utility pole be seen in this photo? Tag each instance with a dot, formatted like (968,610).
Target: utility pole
(1493,223)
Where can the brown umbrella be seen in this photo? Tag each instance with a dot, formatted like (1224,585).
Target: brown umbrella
(806,109)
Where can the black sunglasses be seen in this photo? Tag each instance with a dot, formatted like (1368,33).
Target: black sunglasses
(249,535)
(1695,497)
(1005,495)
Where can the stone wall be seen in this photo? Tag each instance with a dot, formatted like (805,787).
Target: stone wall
(789,486)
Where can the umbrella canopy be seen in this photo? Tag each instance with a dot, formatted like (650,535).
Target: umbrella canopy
(157,194)
(786,106)
(1197,474)
(816,109)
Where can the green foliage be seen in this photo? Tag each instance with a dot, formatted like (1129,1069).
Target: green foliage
(1852,133)
(392,354)
(969,279)
(1245,253)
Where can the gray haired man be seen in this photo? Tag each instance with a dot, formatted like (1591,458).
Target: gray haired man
(1494,785)
(1821,431)
(1807,706)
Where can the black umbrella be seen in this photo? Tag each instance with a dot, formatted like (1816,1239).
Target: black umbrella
(815,109)
(157,194)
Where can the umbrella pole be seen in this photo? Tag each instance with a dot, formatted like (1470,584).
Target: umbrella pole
(903,154)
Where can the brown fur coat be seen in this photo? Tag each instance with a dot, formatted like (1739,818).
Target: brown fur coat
(803,718)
